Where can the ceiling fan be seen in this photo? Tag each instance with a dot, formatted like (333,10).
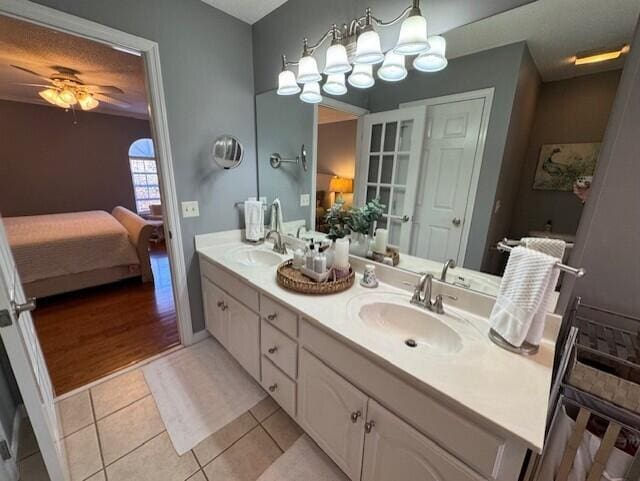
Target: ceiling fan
(65,89)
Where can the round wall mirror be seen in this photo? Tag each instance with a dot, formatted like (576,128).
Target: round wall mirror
(227,152)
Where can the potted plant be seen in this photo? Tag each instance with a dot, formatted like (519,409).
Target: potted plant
(337,219)
(361,222)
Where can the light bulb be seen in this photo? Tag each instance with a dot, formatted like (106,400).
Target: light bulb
(287,83)
(434,59)
(337,60)
(308,70)
(368,50)
(413,36)
(68,97)
(335,84)
(311,93)
(362,76)
(393,69)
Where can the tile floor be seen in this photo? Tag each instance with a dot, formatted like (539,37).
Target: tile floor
(114,432)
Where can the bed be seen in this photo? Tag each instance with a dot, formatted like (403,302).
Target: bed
(59,253)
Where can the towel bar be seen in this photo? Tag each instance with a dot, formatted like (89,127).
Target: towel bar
(503,245)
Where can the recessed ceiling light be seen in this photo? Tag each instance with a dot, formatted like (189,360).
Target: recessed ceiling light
(601,55)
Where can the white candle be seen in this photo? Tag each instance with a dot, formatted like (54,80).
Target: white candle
(341,256)
(380,245)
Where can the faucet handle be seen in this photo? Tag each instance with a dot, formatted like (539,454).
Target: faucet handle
(417,297)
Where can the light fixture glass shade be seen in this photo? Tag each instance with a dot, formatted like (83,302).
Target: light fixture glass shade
(368,50)
(68,97)
(50,95)
(413,36)
(308,70)
(393,69)
(335,84)
(87,102)
(362,76)
(287,84)
(311,93)
(434,59)
(337,60)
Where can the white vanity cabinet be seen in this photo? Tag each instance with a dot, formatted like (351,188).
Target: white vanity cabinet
(213,299)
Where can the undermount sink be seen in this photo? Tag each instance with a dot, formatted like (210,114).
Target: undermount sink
(416,327)
(254,257)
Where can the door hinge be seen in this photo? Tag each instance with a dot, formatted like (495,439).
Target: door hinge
(5,318)
(5,452)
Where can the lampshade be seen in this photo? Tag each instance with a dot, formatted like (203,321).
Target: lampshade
(393,69)
(287,84)
(50,95)
(335,84)
(368,50)
(68,97)
(337,60)
(362,76)
(434,59)
(341,185)
(87,102)
(413,36)
(308,70)
(311,93)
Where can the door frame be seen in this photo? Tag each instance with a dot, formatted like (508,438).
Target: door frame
(486,94)
(149,51)
(343,107)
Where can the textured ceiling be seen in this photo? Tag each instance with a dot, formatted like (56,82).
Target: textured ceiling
(41,49)
(555,30)
(249,11)
(328,115)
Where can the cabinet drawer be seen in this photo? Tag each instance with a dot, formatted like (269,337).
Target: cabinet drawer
(231,284)
(278,315)
(280,349)
(279,386)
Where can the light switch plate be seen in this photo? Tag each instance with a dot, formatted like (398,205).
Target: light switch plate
(190,209)
(304,200)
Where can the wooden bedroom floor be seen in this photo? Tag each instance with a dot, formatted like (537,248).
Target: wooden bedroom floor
(89,334)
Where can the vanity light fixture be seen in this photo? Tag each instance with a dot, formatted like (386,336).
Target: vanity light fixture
(355,48)
(596,56)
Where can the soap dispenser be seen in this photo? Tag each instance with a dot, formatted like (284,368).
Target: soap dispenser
(311,254)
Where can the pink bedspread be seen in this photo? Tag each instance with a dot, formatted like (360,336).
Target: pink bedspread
(52,245)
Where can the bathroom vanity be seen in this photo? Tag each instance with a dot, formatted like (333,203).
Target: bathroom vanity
(449,406)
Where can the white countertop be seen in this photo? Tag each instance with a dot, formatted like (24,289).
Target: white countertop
(509,391)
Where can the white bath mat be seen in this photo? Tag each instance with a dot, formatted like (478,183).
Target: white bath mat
(303,461)
(199,390)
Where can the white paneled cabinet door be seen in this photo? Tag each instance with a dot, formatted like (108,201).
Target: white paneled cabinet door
(332,412)
(395,451)
(243,336)
(388,166)
(27,361)
(215,310)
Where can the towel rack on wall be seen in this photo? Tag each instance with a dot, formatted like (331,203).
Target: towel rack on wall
(241,204)
(507,245)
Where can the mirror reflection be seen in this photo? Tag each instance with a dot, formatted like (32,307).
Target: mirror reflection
(502,143)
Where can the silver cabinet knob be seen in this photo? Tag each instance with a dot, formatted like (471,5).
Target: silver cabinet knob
(406,218)
(368,426)
(272,350)
(273,387)
(272,317)
(355,415)
(456,221)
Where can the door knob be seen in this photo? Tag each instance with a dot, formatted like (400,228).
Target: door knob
(406,218)
(456,221)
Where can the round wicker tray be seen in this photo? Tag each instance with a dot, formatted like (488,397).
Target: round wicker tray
(294,280)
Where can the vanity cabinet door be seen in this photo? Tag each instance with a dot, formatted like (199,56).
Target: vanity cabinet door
(243,336)
(332,412)
(395,451)
(215,310)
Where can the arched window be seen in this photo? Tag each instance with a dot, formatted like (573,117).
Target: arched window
(144,173)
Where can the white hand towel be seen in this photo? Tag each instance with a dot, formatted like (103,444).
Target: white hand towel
(253,220)
(528,282)
(552,247)
(276,215)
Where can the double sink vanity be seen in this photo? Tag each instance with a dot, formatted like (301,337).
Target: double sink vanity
(388,389)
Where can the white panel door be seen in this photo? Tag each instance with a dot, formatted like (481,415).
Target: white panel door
(394,451)
(27,361)
(452,137)
(388,165)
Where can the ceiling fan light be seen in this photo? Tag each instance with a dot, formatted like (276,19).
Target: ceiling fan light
(337,60)
(287,84)
(434,59)
(413,36)
(368,50)
(50,95)
(362,76)
(393,69)
(335,84)
(311,93)
(87,102)
(308,70)
(67,96)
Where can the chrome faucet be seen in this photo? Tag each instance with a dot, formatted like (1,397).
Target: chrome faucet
(422,295)
(278,245)
(448,264)
(299,229)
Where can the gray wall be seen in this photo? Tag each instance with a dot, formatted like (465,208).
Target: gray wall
(206,59)
(609,233)
(67,167)
(498,68)
(282,31)
(569,111)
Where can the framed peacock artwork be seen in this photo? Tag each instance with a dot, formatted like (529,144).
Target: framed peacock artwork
(560,166)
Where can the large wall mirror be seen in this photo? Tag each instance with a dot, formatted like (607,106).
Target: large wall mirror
(500,144)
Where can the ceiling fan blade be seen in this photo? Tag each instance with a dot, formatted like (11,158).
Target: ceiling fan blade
(31,72)
(111,100)
(35,85)
(105,89)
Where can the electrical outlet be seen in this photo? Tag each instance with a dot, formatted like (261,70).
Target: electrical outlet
(190,209)
(304,200)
